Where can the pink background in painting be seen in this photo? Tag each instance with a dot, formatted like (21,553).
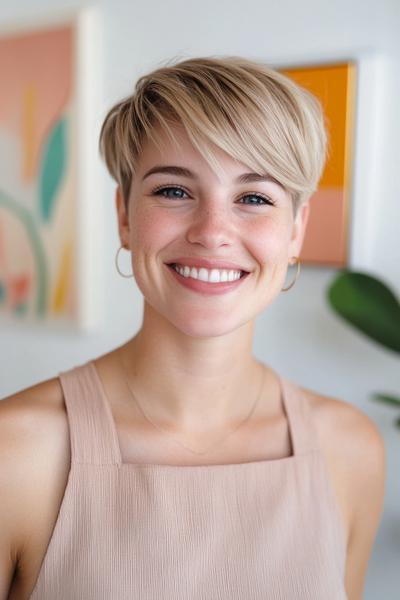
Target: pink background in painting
(30,60)
(325,242)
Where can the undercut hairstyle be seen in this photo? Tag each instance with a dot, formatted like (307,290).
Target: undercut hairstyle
(255,114)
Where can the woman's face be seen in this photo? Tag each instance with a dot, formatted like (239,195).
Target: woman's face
(197,215)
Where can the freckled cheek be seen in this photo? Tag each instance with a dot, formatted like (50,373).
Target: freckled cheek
(268,244)
(151,232)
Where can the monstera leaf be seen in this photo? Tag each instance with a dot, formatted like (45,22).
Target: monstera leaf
(367,304)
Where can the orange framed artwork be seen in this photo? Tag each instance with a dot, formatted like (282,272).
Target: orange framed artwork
(327,239)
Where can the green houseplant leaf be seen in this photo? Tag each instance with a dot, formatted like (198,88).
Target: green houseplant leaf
(368,305)
(384,398)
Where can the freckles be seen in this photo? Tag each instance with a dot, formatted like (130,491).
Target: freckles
(152,230)
(267,239)
(269,243)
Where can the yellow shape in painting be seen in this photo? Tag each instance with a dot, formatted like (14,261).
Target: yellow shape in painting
(333,85)
(63,282)
(29,110)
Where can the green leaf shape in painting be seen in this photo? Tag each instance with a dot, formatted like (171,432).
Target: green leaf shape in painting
(52,169)
(384,398)
(367,304)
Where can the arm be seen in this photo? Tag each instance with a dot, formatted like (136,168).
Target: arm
(11,495)
(365,473)
(34,466)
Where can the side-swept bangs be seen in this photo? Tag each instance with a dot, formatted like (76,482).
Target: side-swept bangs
(255,114)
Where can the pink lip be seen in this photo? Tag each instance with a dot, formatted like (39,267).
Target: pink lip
(207,263)
(203,287)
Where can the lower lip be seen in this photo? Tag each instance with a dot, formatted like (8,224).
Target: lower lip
(203,287)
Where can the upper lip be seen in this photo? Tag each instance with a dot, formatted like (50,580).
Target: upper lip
(207,263)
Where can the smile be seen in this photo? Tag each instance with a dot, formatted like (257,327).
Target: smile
(207,281)
(208,275)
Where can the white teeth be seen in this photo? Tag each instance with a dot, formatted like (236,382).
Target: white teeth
(202,274)
(216,276)
(210,276)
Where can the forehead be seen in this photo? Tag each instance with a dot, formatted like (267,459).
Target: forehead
(161,144)
(178,149)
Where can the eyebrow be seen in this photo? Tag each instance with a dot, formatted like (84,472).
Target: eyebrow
(184,172)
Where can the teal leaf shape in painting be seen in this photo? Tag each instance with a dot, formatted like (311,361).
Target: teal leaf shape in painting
(52,169)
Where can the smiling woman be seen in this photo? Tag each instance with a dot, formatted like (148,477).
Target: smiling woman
(213,222)
(179,466)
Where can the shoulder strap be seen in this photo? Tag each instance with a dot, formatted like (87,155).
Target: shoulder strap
(92,431)
(302,429)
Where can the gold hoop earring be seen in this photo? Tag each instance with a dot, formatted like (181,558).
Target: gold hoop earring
(297,259)
(116,264)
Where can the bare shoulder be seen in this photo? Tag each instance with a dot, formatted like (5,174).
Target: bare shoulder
(356,451)
(46,392)
(34,464)
(348,433)
(347,424)
(27,419)
(349,436)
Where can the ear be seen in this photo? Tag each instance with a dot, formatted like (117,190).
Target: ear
(299,229)
(123,218)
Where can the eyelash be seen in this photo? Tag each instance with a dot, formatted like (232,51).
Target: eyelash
(162,188)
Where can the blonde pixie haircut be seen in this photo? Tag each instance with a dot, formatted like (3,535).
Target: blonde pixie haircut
(252,112)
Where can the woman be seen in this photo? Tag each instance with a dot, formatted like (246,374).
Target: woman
(178,465)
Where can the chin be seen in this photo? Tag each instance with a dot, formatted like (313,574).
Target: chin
(207,326)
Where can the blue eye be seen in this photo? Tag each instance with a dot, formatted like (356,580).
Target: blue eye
(265,199)
(177,191)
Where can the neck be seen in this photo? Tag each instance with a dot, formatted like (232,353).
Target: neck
(192,384)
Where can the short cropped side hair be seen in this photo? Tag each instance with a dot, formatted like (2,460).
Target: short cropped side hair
(254,113)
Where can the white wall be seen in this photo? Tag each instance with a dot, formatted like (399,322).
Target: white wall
(316,350)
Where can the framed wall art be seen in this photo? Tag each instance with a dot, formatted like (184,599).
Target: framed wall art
(327,237)
(44,190)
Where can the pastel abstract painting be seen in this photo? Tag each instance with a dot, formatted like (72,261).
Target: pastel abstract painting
(38,175)
(326,240)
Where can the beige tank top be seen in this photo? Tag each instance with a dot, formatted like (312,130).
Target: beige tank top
(263,530)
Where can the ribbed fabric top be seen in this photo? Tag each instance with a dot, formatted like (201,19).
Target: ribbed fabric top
(262,530)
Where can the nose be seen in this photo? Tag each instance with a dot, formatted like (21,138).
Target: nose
(211,227)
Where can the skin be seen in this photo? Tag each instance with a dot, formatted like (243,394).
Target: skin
(192,363)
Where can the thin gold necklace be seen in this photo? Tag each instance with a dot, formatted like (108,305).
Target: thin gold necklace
(176,440)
